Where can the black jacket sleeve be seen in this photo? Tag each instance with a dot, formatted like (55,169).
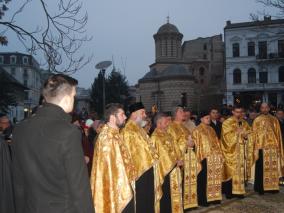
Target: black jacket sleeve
(76,172)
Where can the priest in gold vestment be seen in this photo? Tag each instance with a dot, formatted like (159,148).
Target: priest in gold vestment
(237,148)
(183,141)
(110,179)
(268,151)
(144,157)
(209,155)
(169,170)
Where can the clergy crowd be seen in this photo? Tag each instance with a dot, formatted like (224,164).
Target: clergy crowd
(164,162)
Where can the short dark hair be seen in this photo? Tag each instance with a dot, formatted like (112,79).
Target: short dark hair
(112,109)
(158,116)
(237,106)
(213,108)
(58,85)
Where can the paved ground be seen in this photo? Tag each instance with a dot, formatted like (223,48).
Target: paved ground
(253,203)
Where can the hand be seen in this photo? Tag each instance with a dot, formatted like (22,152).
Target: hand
(87,159)
(240,130)
(190,142)
(179,163)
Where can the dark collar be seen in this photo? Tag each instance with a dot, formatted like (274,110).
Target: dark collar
(53,111)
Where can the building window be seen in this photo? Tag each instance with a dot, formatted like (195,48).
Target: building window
(26,94)
(236,50)
(262,49)
(13,59)
(201,81)
(25,82)
(25,60)
(281,74)
(205,47)
(251,49)
(263,77)
(25,74)
(166,47)
(204,56)
(1,60)
(251,76)
(237,76)
(281,48)
(172,47)
(201,71)
(13,71)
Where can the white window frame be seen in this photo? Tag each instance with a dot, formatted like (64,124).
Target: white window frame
(13,56)
(25,60)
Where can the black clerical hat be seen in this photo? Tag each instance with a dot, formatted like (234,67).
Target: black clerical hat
(204,113)
(135,107)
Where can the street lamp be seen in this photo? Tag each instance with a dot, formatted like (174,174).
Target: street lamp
(102,66)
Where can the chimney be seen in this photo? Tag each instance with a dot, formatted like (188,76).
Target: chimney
(228,22)
(267,18)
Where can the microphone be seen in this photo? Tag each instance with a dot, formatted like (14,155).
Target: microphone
(240,123)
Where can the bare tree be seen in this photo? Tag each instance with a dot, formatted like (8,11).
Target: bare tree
(59,39)
(276,4)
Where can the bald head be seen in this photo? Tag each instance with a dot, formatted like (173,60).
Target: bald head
(264,108)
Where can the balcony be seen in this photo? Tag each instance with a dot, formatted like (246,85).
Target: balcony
(271,57)
(257,86)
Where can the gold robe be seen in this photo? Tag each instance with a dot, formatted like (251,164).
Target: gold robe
(180,135)
(167,165)
(268,138)
(143,154)
(237,152)
(110,185)
(207,146)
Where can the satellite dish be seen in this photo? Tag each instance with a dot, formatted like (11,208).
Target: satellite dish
(103,65)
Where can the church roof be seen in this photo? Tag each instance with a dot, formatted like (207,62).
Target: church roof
(168,28)
(170,72)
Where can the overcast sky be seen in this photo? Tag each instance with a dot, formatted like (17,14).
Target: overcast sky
(123,29)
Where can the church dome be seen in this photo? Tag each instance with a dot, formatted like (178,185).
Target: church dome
(168,28)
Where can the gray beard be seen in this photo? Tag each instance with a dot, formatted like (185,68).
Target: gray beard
(142,123)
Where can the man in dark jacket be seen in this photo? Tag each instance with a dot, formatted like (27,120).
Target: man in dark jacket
(215,123)
(50,174)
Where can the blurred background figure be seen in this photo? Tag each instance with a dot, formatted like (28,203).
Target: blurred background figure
(87,146)
(6,128)
(215,123)
(251,116)
(83,114)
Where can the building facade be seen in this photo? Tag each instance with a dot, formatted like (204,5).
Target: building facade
(83,99)
(254,62)
(26,70)
(189,73)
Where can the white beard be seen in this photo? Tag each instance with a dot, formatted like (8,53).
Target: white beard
(142,123)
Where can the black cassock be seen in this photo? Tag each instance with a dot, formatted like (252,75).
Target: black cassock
(145,198)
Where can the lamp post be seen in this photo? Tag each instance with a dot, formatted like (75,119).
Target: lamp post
(102,66)
(103,71)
